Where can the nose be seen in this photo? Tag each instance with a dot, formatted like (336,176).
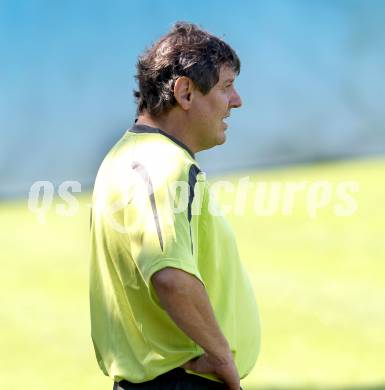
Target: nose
(235,101)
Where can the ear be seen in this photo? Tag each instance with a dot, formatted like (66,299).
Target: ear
(184,91)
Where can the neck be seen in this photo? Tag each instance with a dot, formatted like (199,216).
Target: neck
(171,124)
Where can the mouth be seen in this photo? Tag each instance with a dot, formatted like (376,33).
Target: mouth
(223,120)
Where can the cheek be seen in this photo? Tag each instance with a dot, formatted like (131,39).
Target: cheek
(222,104)
(203,112)
(211,108)
(219,106)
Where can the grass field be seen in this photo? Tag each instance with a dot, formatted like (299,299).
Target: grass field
(320,285)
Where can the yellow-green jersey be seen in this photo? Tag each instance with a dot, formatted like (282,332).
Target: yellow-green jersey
(152,209)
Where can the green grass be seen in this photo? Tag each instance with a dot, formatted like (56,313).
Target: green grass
(320,285)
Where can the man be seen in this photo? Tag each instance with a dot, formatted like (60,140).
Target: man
(171,304)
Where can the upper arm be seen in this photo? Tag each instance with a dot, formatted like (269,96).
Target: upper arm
(171,286)
(173,279)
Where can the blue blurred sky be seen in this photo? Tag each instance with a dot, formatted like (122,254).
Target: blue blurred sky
(312,80)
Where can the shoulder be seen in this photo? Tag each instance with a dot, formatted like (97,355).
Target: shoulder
(162,157)
(149,156)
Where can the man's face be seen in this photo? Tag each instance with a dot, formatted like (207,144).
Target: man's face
(208,112)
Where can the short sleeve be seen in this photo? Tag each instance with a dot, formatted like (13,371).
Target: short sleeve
(158,220)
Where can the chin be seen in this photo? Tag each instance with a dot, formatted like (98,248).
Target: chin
(221,138)
(221,141)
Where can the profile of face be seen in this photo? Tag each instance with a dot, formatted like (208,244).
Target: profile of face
(208,112)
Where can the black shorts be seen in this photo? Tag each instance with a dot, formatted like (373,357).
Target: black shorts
(176,379)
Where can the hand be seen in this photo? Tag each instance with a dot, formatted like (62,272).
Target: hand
(224,369)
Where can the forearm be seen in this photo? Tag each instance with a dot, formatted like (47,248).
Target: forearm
(185,299)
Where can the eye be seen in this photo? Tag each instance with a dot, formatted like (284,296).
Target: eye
(229,85)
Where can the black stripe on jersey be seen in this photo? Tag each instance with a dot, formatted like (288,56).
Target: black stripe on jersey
(141,169)
(192,179)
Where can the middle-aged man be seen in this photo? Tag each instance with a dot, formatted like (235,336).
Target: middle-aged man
(171,304)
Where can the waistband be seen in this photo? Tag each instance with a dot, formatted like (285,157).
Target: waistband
(172,376)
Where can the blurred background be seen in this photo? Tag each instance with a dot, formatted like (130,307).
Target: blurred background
(313,89)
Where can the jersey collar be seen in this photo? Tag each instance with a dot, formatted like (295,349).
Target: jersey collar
(148,129)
